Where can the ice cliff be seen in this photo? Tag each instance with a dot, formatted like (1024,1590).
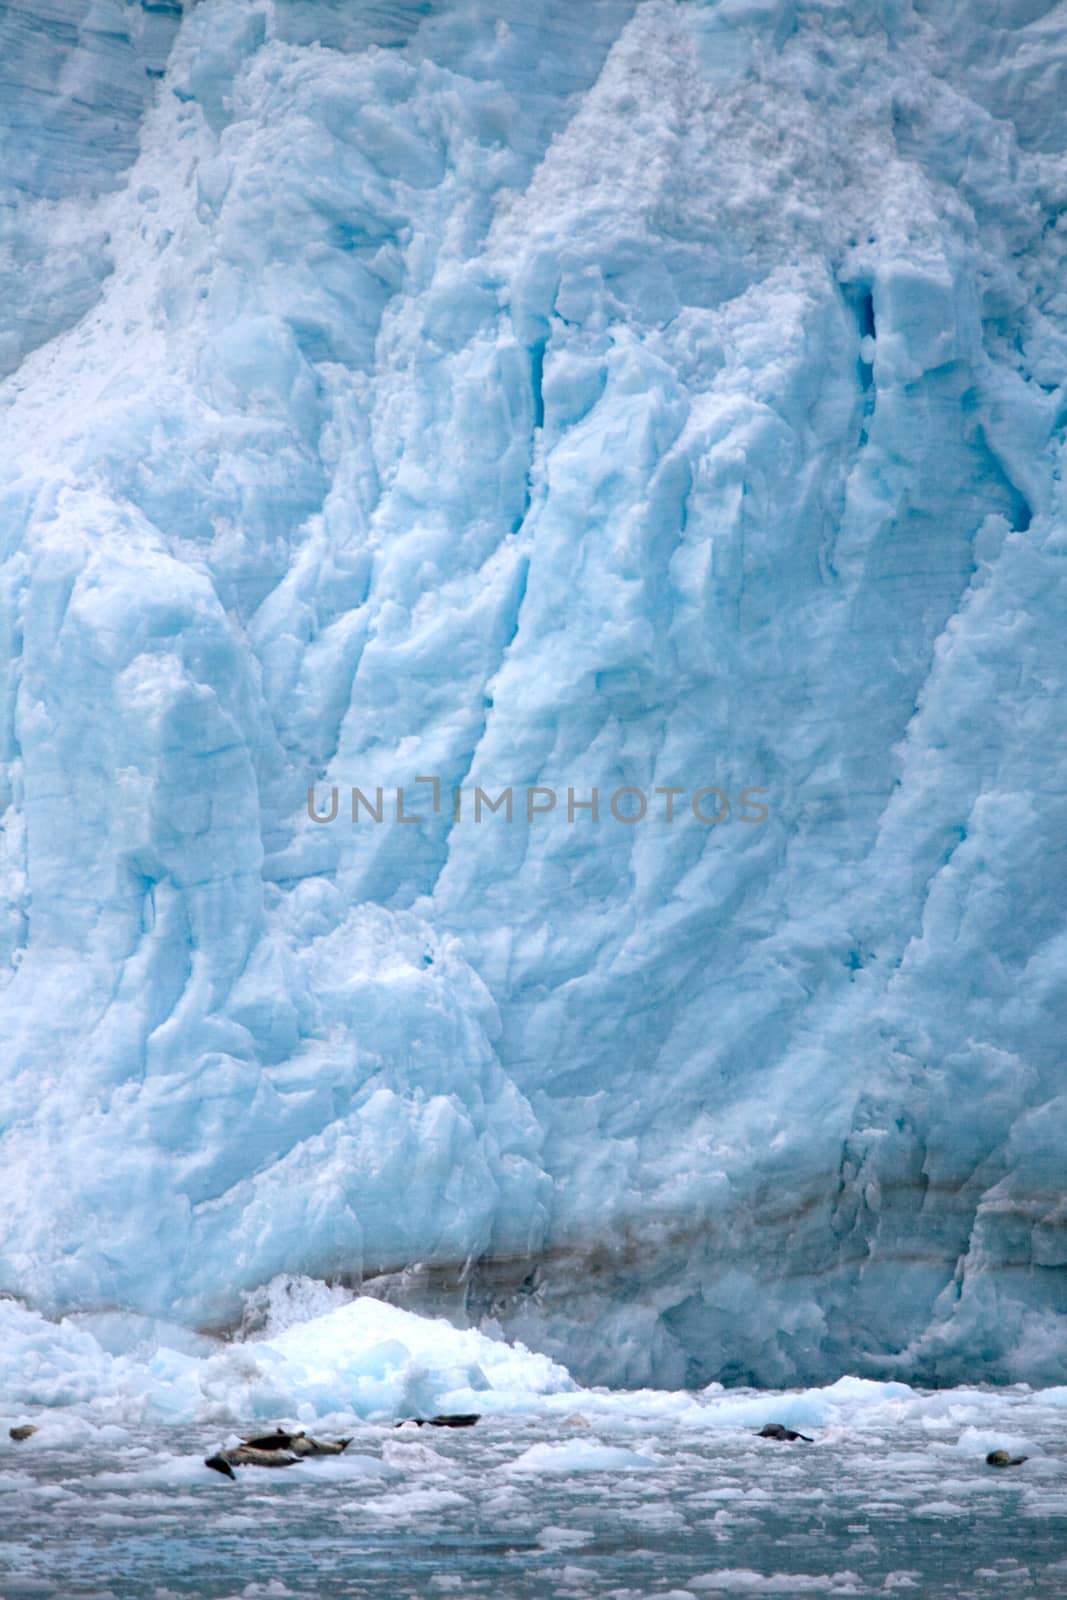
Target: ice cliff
(545,395)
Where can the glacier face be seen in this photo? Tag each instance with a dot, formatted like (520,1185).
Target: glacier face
(652,395)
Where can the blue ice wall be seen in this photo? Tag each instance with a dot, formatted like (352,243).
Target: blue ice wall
(661,396)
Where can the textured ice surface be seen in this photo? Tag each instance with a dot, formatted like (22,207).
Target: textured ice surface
(644,394)
(556,1491)
(362,1359)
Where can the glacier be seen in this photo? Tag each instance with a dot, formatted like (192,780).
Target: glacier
(650,396)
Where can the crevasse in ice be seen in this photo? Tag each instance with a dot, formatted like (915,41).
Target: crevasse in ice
(652,396)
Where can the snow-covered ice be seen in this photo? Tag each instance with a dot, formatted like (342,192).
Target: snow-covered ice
(652,395)
(363,1358)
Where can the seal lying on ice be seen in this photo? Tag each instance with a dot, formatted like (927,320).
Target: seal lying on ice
(246,1455)
(463,1420)
(775,1430)
(1003,1458)
(300,1444)
(278,1449)
(23,1431)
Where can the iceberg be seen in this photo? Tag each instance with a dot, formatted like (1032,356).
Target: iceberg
(361,1360)
(628,441)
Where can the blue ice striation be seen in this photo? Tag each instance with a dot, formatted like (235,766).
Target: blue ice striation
(547,397)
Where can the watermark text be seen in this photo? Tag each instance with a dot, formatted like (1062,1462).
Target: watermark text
(627,804)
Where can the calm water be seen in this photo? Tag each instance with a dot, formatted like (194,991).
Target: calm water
(895,1510)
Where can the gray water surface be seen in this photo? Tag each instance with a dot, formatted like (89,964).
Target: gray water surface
(426,1513)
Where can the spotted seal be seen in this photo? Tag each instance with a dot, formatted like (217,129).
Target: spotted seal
(245,1455)
(300,1443)
(776,1430)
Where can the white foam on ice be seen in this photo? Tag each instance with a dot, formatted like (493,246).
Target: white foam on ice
(578,1455)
